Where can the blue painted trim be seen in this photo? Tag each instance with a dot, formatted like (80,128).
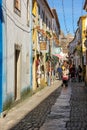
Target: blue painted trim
(30,47)
(1,55)
(4,78)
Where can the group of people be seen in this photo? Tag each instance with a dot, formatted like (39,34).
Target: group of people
(75,73)
(66,72)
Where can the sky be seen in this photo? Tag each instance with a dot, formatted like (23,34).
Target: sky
(69,12)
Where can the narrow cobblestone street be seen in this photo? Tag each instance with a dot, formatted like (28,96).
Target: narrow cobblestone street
(60,112)
(43,65)
(35,119)
(70,110)
(32,112)
(78,108)
(63,109)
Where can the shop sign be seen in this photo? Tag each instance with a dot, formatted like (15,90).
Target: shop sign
(56,50)
(43,46)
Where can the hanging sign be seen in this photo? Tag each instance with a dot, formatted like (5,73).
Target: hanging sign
(43,46)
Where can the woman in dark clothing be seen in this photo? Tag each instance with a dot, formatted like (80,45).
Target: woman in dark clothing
(72,72)
(79,73)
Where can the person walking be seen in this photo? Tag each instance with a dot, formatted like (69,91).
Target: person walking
(59,70)
(72,72)
(65,74)
(79,73)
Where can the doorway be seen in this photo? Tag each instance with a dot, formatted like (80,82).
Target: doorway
(17,72)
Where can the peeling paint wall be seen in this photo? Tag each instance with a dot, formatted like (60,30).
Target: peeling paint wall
(17,38)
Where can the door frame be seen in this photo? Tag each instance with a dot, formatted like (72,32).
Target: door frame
(17,89)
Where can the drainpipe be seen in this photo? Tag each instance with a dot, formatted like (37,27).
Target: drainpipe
(30,47)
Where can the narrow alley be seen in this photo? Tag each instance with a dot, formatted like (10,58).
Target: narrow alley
(43,65)
(63,109)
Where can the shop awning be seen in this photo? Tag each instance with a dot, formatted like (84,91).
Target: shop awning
(59,56)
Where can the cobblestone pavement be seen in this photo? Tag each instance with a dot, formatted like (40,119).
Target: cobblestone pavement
(60,112)
(69,113)
(64,109)
(78,108)
(21,117)
(35,118)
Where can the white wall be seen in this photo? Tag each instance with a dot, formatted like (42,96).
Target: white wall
(15,35)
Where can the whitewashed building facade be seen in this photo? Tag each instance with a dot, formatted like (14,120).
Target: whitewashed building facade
(16,54)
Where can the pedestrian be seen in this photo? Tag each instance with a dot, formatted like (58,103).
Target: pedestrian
(59,70)
(72,72)
(38,76)
(65,74)
(79,73)
(56,73)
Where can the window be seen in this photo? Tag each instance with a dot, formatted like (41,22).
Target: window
(49,25)
(38,14)
(17,6)
(28,12)
(43,15)
(46,21)
(38,9)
